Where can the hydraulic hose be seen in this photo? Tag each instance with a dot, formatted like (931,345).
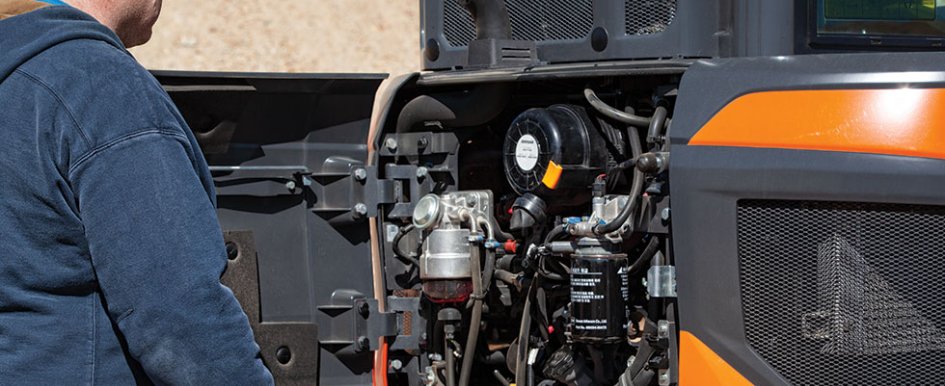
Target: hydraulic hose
(474,320)
(614,113)
(395,245)
(636,188)
(521,357)
(656,125)
(450,363)
(651,248)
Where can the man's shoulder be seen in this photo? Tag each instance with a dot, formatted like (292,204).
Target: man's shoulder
(104,89)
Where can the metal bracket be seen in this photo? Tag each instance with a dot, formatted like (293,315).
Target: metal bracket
(661,281)
(353,324)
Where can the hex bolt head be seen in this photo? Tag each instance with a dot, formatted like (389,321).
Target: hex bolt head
(391,144)
(363,343)
(283,355)
(396,365)
(291,185)
(360,209)
(422,172)
(364,309)
(665,214)
(360,174)
(422,143)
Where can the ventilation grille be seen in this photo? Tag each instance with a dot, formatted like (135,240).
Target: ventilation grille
(537,20)
(647,17)
(845,293)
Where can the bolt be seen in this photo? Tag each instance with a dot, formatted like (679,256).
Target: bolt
(360,209)
(283,355)
(396,365)
(290,185)
(391,144)
(360,174)
(364,309)
(232,251)
(664,214)
(422,172)
(422,143)
(664,378)
(363,343)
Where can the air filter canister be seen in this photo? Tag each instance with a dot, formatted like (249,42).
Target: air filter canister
(554,153)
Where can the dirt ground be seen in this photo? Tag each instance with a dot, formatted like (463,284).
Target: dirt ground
(286,36)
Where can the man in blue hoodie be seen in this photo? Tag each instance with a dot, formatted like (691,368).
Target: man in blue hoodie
(110,250)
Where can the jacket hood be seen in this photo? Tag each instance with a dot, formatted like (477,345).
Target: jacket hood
(26,35)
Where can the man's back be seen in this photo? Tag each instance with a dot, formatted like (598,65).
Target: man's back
(110,254)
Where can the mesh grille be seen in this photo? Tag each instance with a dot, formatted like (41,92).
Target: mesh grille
(844,293)
(647,17)
(537,20)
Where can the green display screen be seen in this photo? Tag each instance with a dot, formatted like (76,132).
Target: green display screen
(877,18)
(880,9)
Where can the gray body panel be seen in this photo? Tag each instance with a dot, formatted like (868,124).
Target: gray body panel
(707,181)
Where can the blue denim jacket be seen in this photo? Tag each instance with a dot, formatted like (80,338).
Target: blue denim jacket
(110,250)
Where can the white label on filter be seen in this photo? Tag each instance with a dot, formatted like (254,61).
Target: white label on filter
(526,152)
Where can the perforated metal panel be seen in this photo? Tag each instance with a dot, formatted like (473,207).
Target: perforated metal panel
(646,17)
(845,293)
(538,20)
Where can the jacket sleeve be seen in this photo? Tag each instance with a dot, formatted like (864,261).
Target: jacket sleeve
(158,255)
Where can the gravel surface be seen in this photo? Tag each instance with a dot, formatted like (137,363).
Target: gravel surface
(286,36)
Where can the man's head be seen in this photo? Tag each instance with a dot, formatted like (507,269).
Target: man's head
(131,20)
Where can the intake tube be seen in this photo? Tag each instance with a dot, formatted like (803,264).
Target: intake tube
(491,18)
(458,109)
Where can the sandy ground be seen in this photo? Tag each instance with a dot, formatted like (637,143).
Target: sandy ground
(286,36)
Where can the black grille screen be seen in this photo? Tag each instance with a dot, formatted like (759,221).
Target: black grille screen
(537,20)
(646,17)
(845,293)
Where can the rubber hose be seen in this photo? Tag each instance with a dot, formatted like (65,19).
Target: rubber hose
(636,189)
(656,125)
(395,245)
(651,248)
(450,363)
(612,112)
(474,320)
(520,356)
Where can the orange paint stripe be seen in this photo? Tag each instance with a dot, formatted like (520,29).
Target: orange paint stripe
(699,365)
(907,122)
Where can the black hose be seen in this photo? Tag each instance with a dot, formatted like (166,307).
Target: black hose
(474,320)
(636,189)
(651,248)
(450,363)
(523,332)
(614,113)
(556,233)
(657,124)
(488,270)
(395,245)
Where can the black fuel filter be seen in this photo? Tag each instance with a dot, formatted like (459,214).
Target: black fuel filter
(599,295)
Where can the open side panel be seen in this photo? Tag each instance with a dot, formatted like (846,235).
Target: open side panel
(283,150)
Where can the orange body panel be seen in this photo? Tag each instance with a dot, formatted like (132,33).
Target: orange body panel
(904,121)
(699,365)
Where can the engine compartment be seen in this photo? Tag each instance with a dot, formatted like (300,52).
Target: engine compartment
(534,230)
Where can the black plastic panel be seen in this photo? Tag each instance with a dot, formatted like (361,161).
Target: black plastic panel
(267,138)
